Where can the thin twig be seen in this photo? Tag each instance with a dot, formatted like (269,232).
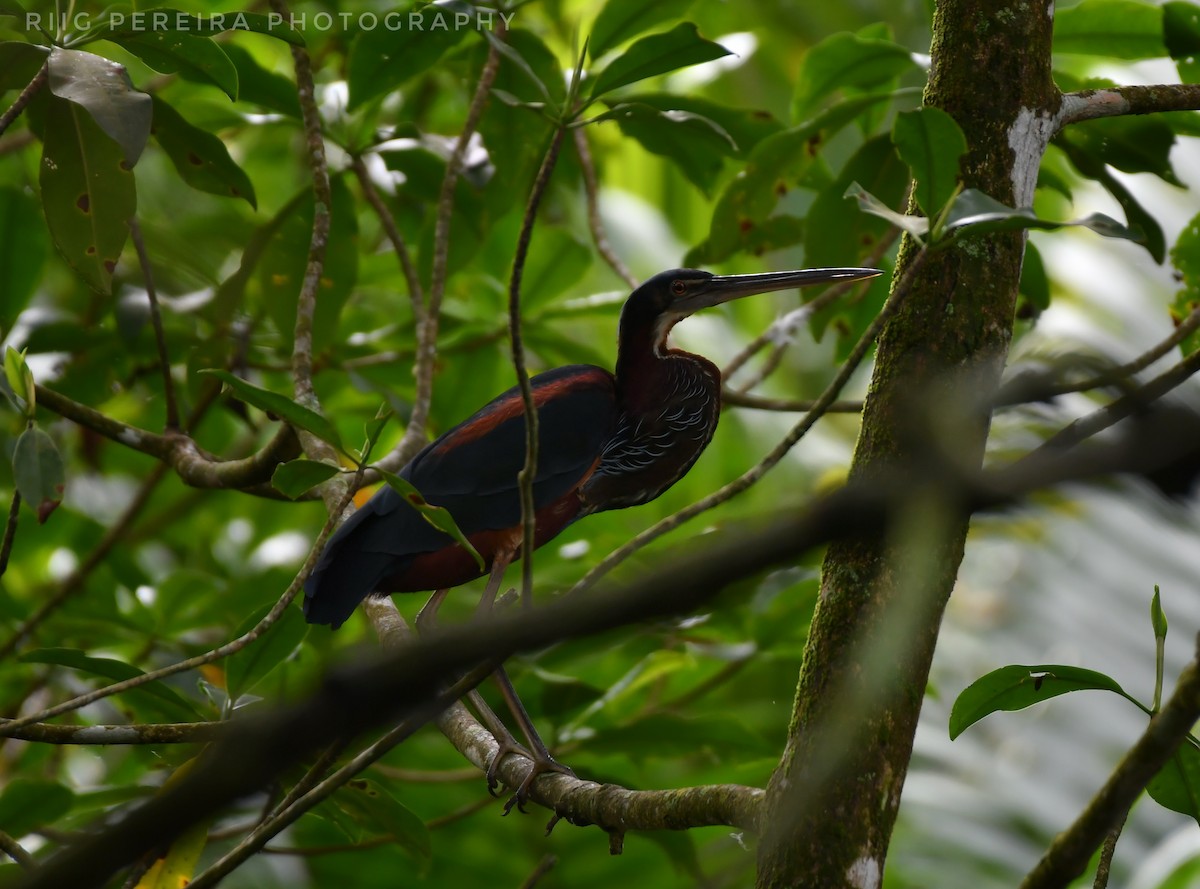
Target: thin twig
(528,472)
(591,189)
(15,851)
(543,867)
(26,96)
(8,729)
(10,531)
(74,582)
(416,293)
(427,329)
(309,780)
(752,475)
(262,834)
(1121,100)
(106,735)
(784,405)
(139,244)
(1104,868)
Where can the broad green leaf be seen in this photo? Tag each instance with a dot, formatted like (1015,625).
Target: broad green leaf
(437,516)
(695,144)
(1185,256)
(231,292)
(663,734)
(378,813)
(279,405)
(174,52)
(622,20)
(27,804)
(1126,29)
(22,252)
(931,143)
(269,89)
(382,59)
(981,214)
(284,263)
(38,471)
(176,869)
(87,193)
(556,261)
(846,60)
(744,127)
(774,233)
(777,163)
(1181,35)
(201,158)
(1034,285)
(373,429)
(246,668)
(120,23)
(1139,144)
(104,89)
(19,64)
(164,698)
(297,476)
(11,7)
(1016,687)
(1177,785)
(680,47)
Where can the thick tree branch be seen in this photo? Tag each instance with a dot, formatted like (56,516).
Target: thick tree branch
(1071,850)
(1122,100)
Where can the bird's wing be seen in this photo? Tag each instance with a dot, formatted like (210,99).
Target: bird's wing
(472,469)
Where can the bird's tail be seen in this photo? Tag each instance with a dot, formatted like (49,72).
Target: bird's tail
(342,579)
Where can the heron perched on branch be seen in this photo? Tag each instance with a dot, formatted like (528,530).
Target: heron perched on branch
(605,441)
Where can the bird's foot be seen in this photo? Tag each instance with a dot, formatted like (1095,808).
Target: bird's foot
(541,764)
(507,744)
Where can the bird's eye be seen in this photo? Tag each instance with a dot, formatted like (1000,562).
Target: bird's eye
(678,287)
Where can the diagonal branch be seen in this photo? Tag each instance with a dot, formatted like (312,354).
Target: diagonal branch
(164,361)
(591,190)
(26,96)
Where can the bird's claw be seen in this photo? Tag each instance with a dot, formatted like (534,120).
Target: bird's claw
(506,746)
(540,765)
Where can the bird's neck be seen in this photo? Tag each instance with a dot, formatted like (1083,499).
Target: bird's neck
(649,369)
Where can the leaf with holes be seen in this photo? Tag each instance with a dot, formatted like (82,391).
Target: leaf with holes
(38,471)
(170,52)
(846,60)
(201,159)
(437,516)
(279,405)
(88,193)
(1016,687)
(104,89)
(680,47)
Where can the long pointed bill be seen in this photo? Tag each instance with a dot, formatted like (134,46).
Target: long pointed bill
(723,288)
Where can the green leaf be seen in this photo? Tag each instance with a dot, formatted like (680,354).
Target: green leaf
(176,868)
(981,214)
(19,64)
(777,163)
(931,143)
(437,516)
(695,144)
(1131,144)
(280,406)
(257,85)
(622,20)
(284,263)
(20,380)
(1181,36)
(663,734)
(1034,285)
(846,60)
(201,158)
(556,262)
(1125,29)
(88,193)
(1177,785)
(173,52)
(378,813)
(119,24)
(917,226)
(1016,687)
(297,476)
(246,668)
(27,804)
(104,89)
(38,471)
(381,60)
(158,694)
(680,47)
(22,252)
(11,7)
(1158,617)
(742,128)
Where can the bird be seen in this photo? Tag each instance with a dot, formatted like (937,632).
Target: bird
(606,440)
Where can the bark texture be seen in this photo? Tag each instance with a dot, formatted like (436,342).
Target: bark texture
(832,802)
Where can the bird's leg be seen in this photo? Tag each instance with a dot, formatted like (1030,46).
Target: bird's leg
(426,620)
(541,759)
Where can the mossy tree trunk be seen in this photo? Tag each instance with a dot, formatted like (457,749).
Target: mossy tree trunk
(832,802)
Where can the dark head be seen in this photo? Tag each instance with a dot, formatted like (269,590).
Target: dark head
(670,296)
